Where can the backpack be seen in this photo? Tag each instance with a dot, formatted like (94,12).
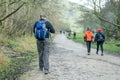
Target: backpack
(100,37)
(40,30)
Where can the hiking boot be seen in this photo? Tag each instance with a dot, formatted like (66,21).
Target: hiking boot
(97,53)
(88,53)
(102,54)
(46,71)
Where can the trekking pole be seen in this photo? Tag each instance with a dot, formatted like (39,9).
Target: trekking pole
(50,39)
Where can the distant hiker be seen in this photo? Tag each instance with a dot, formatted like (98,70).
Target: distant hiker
(63,32)
(88,38)
(60,31)
(99,38)
(42,29)
(74,35)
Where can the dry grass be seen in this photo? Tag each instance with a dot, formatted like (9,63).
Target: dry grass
(1,36)
(20,45)
(10,53)
(3,59)
(26,44)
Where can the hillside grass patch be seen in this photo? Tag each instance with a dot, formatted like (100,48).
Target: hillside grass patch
(109,45)
(26,44)
(16,55)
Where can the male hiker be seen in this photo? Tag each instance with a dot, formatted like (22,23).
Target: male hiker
(88,38)
(99,38)
(74,35)
(42,29)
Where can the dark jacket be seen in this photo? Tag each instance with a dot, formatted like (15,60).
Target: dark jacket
(48,26)
(97,36)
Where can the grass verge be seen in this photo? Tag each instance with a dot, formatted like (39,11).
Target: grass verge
(109,45)
(15,56)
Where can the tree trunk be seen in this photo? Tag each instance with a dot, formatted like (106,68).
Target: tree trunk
(6,12)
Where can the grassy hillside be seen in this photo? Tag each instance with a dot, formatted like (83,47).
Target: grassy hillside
(15,55)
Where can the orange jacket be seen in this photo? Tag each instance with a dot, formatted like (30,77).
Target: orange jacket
(88,35)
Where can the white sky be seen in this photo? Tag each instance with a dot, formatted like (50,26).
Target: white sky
(86,3)
(81,2)
(78,1)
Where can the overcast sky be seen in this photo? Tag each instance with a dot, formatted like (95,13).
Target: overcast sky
(82,2)
(78,1)
(86,3)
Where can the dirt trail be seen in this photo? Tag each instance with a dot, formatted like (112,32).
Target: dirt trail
(69,61)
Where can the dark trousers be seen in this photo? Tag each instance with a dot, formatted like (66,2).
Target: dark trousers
(101,45)
(88,44)
(74,36)
(43,52)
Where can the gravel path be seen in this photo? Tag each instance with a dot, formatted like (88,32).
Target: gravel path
(69,61)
